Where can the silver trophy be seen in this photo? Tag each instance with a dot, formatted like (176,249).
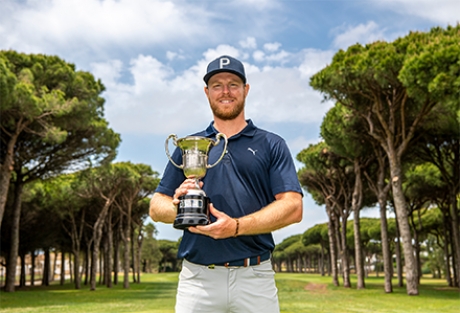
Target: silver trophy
(193,207)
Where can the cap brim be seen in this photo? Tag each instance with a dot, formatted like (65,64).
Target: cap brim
(220,70)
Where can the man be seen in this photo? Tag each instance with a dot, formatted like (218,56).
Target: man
(253,191)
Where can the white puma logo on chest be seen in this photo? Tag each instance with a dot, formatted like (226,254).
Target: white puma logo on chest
(253,151)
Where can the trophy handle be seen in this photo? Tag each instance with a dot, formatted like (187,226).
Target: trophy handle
(218,136)
(167,150)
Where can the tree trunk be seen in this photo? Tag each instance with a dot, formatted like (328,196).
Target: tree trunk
(22,277)
(398,255)
(76,268)
(76,233)
(46,268)
(53,272)
(97,235)
(94,258)
(14,244)
(140,239)
(116,257)
(332,246)
(404,228)
(447,240)
(321,260)
(5,176)
(109,258)
(338,241)
(126,262)
(387,261)
(356,206)
(62,280)
(101,268)
(109,255)
(107,274)
(381,189)
(133,256)
(93,264)
(453,262)
(32,270)
(87,264)
(124,233)
(417,255)
(70,266)
(344,253)
(456,238)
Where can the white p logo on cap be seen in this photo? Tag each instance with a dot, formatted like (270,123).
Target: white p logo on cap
(223,62)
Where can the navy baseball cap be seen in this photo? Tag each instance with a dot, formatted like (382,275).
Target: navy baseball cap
(225,63)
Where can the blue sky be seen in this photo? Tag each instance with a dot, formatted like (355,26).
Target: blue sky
(151,55)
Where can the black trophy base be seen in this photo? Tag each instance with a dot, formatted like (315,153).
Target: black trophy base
(192,211)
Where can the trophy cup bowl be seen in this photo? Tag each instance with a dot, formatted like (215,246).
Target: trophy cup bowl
(193,208)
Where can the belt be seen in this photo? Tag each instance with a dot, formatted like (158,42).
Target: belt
(256,260)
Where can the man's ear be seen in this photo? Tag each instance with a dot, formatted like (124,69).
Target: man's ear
(246,89)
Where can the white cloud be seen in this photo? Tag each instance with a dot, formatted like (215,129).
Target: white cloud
(257,4)
(94,24)
(282,95)
(363,34)
(109,71)
(314,60)
(149,74)
(248,43)
(171,56)
(258,56)
(299,143)
(272,47)
(280,57)
(157,101)
(212,54)
(441,11)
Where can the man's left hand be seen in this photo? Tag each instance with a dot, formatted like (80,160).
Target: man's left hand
(223,227)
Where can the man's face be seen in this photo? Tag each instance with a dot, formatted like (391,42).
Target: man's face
(226,93)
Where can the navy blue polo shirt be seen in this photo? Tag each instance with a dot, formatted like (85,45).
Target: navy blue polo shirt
(256,166)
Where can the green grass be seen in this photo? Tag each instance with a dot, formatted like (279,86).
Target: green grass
(311,293)
(297,293)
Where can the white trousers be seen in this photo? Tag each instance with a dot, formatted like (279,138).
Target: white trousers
(249,289)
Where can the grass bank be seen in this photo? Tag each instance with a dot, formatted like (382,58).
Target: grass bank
(297,293)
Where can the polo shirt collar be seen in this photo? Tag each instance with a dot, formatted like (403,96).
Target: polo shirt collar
(248,131)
